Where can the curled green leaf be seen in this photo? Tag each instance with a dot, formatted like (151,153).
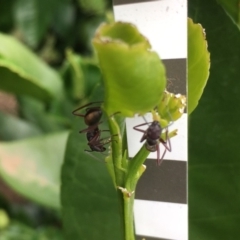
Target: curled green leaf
(133,74)
(198,63)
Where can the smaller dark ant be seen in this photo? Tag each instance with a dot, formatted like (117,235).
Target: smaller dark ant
(95,143)
(153,138)
(91,117)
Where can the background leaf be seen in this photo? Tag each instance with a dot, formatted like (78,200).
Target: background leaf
(97,6)
(214,163)
(232,9)
(13,128)
(6,13)
(81,76)
(198,64)
(24,73)
(39,161)
(20,231)
(33,18)
(89,200)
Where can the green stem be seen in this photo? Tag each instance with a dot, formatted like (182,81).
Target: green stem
(128,216)
(136,168)
(116,150)
(116,161)
(122,211)
(126,175)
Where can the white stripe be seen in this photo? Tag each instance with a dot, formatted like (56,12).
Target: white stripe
(163,22)
(178,143)
(161,220)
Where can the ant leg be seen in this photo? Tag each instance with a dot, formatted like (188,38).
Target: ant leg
(166,143)
(160,160)
(114,114)
(95,139)
(104,130)
(109,139)
(140,130)
(158,155)
(86,105)
(96,142)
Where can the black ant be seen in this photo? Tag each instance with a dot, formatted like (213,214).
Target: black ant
(152,135)
(91,117)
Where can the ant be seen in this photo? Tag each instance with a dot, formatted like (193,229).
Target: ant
(153,138)
(92,118)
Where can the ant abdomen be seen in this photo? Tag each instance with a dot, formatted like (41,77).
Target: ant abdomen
(93,116)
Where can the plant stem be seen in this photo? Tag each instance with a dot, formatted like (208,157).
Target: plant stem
(126,176)
(116,150)
(122,212)
(128,216)
(136,168)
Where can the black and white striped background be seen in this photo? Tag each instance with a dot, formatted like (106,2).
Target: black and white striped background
(160,208)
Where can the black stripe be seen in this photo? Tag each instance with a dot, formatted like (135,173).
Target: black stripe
(124,2)
(176,75)
(165,183)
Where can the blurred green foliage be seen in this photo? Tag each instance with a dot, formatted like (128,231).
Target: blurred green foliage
(59,33)
(214,153)
(47,63)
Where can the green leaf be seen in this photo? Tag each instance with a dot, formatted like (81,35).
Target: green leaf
(32,167)
(4,219)
(13,128)
(214,167)
(89,200)
(130,69)
(6,13)
(232,8)
(33,18)
(82,74)
(97,6)
(77,76)
(24,73)
(36,113)
(198,64)
(20,231)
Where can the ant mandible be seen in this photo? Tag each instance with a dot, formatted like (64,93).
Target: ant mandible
(153,138)
(91,117)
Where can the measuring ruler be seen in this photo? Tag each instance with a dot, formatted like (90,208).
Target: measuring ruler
(160,208)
